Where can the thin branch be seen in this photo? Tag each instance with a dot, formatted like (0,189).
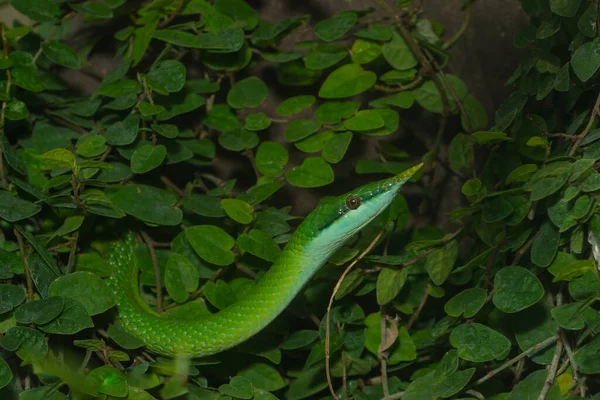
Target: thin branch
(463,27)
(335,290)
(552,371)
(25,264)
(595,112)
(159,294)
(415,315)
(198,292)
(72,253)
(531,350)
(414,47)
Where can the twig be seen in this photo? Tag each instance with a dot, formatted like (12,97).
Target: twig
(169,183)
(524,249)
(382,355)
(532,349)
(25,264)
(463,27)
(415,315)
(198,292)
(159,294)
(171,17)
(401,88)
(560,134)
(395,396)
(476,394)
(582,135)
(552,371)
(72,253)
(427,69)
(335,290)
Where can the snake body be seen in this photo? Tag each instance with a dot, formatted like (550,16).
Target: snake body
(319,235)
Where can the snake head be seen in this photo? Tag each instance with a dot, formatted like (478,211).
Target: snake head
(334,222)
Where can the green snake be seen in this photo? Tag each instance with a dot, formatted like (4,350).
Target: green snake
(319,235)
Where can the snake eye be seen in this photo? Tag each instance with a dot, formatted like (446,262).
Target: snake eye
(352,202)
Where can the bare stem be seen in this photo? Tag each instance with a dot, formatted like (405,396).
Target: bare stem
(26,265)
(159,294)
(531,350)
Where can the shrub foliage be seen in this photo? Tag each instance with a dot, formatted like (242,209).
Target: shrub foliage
(500,307)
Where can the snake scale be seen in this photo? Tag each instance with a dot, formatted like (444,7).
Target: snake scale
(319,235)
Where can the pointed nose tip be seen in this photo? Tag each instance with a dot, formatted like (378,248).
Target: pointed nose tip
(407,174)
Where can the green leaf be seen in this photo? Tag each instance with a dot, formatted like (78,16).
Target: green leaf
(545,246)
(586,60)
(238,140)
(148,203)
(205,205)
(299,339)
(332,112)
(92,146)
(123,338)
(168,77)
(181,277)
(121,88)
(30,344)
(147,158)
(39,312)
(85,287)
(247,93)
(123,132)
(61,54)
(336,146)
(488,137)
(428,96)
(365,120)
(516,289)
(243,15)
(461,152)
(5,374)
(531,387)
(37,10)
(402,100)
(296,104)
(475,117)
(391,122)
(365,51)
(378,32)
(347,81)
(14,209)
(532,326)
(238,387)
(263,376)
(454,383)
(389,283)
(166,130)
(448,365)
(403,349)
(587,23)
(10,297)
(74,318)
(211,243)
(397,53)
(257,121)
(109,380)
(301,128)
(479,343)
(336,26)
(564,8)
(259,244)
(314,172)
(97,10)
(238,210)
(496,209)
(570,316)
(547,186)
(467,302)
(440,262)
